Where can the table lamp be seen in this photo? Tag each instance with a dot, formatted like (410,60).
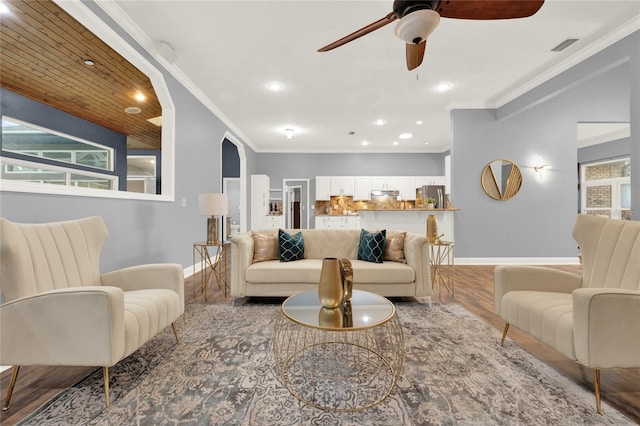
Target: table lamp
(213,205)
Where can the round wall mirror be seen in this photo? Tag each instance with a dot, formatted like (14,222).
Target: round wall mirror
(501,179)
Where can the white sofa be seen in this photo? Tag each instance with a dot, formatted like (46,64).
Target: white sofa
(60,310)
(275,278)
(593,319)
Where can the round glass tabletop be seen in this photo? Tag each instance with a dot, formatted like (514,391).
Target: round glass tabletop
(366,310)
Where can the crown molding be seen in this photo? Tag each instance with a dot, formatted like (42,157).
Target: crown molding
(600,44)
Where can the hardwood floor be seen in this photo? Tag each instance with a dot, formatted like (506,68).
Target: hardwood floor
(474,291)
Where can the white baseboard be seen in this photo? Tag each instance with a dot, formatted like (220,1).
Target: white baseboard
(517,261)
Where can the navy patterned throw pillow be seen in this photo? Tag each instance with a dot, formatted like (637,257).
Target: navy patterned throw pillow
(371,246)
(291,247)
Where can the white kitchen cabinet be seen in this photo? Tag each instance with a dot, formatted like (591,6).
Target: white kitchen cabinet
(380,183)
(337,222)
(342,186)
(274,222)
(407,188)
(362,188)
(432,180)
(323,188)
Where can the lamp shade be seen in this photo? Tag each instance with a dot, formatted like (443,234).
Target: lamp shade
(213,204)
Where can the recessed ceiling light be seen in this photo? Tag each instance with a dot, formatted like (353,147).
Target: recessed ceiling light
(379,122)
(426,143)
(419,122)
(274,86)
(365,143)
(405,136)
(443,87)
(140,96)
(395,142)
(288,133)
(133,110)
(87,62)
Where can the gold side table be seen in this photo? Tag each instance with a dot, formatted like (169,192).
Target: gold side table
(343,359)
(211,266)
(441,257)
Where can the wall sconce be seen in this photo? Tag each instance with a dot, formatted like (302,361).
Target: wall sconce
(539,170)
(213,205)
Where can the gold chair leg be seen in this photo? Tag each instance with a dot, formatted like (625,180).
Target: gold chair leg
(105,375)
(504,333)
(12,383)
(596,385)
(175,332)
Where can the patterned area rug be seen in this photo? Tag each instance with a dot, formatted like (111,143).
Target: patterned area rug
(222,373)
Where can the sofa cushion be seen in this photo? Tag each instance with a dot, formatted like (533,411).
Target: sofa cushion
(307,271)
(291,247)
(394,247)
(384,273)
(301,271)
(265,246)
(371,246)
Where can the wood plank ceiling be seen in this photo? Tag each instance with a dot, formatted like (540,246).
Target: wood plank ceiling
(42,54)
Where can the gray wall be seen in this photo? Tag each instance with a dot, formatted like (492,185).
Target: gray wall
(605,151)
(537,222)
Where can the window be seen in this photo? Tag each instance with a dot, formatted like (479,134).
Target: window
(39,143)
(28,139)
(606,188)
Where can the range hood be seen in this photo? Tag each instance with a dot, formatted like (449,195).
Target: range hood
(385,193)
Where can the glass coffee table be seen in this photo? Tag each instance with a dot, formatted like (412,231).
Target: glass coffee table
(343,359)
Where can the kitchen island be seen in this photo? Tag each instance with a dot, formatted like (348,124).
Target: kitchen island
(411,220)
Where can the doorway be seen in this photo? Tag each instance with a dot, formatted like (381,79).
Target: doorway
(296,203)
(231,224)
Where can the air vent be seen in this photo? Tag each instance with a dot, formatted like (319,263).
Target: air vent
(568,42)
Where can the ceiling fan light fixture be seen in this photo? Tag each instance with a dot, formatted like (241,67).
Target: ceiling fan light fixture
(417,26)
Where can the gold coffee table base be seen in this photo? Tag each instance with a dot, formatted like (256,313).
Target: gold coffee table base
(339,370)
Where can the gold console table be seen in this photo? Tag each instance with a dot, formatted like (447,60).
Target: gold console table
(210,266)
(442,274)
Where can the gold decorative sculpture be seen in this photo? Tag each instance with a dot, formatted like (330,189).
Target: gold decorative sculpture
(432,230)
(501,179)
(336,282)
(346,272)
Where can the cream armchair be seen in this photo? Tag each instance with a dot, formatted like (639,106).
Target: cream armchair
(59,310)
(593,319)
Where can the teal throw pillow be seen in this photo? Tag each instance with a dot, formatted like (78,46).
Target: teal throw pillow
(371,246)
(290,247)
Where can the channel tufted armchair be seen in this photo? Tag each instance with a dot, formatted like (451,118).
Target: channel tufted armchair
(593,319)
(57,309)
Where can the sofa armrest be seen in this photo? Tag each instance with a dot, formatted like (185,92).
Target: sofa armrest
(241,259)
(81,326)
(168,276)
(416,253)
(531,278)
(606,327)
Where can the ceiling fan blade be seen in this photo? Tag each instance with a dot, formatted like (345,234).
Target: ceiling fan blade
(415,54)
(359,33)
(488,9)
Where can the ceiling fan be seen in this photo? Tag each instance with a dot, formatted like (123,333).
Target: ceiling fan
(418,19)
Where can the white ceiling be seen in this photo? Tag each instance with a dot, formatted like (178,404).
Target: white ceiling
(229,50)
